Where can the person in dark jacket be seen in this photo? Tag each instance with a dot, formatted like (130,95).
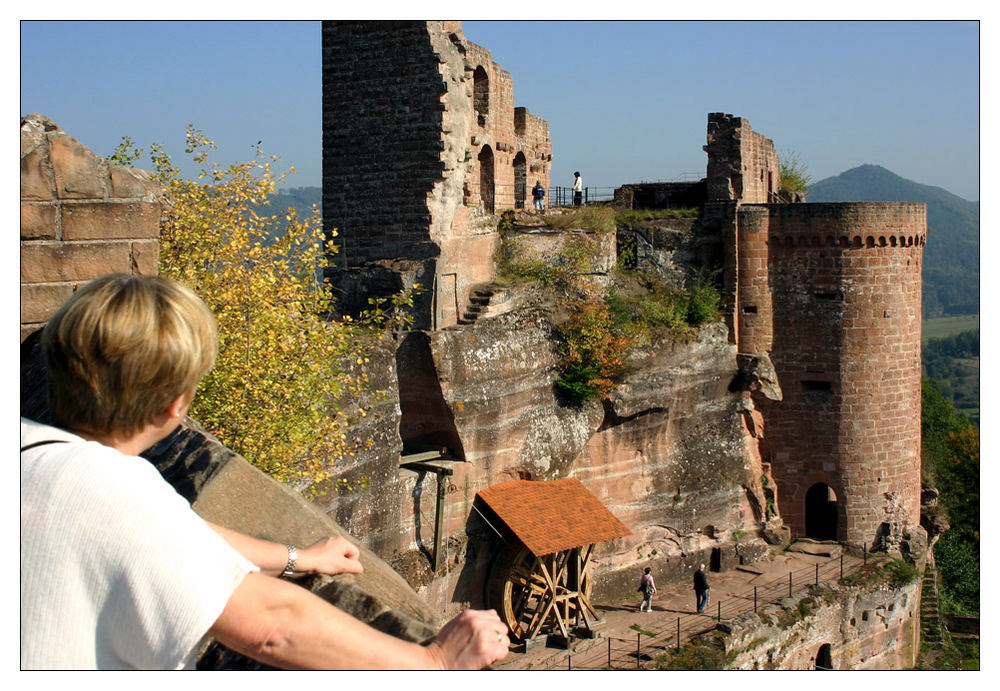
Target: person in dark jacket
(538,195)
(701,588)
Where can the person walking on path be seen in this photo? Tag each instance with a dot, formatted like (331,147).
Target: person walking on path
(647,588)
(701,588)
(577,189)
(538,195)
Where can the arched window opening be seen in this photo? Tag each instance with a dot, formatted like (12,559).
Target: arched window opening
(821,512)
(520,180)
(824,657)
(481,94)
(486,192)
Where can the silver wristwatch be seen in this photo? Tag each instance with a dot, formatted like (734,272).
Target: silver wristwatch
(293,555)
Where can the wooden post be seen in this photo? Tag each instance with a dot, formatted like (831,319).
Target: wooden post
(678,634)
(442,486)
(609,652)
(789,584)
(755,598)
(638,647)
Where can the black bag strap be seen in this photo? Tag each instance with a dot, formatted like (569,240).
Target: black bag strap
(42,443)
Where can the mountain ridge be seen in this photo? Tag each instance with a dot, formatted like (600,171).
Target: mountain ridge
(951,256)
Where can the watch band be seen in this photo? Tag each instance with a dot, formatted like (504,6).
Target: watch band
(293,556)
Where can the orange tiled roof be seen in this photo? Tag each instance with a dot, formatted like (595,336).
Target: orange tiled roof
(552,516)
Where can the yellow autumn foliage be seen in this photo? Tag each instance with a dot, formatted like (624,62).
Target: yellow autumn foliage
(287,373)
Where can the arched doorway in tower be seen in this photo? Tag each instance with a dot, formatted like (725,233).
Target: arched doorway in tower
(520,180)
(821,512)
(486,193)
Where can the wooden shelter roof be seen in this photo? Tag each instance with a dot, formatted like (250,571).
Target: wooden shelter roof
(552,516)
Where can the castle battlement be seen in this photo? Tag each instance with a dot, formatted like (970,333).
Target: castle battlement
(849,225)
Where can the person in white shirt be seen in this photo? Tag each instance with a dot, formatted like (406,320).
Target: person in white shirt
(577,189)
(117,571)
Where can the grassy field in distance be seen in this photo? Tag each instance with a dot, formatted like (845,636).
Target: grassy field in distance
(939,327)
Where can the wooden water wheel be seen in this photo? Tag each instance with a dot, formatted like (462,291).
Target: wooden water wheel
(541,580)
(541,594)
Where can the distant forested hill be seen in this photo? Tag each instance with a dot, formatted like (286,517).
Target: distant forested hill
(302,198)
(951,257)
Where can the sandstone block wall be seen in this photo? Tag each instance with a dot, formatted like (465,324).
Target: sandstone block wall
(742,164)
(845,293)
(421,145)
(661,195)
(81,217)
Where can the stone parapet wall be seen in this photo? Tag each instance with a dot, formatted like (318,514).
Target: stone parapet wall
(81,217)
(661,195)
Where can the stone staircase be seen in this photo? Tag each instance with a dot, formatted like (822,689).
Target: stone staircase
(931,630)
(479,303)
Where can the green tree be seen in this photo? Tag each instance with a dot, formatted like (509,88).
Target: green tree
(283,388)
(794,179)
(951,463)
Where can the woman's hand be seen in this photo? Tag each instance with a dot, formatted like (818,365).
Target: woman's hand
(330,555)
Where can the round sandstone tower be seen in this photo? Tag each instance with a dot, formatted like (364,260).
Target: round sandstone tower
(845,292)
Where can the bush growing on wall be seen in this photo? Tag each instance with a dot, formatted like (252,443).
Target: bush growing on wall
(287,373)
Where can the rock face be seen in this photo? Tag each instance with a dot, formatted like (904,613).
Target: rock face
(843,628)
(673,453)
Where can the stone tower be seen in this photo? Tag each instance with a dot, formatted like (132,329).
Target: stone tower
(831,295)
(422,145)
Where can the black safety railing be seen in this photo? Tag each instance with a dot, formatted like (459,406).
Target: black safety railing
(658,635)
(566,196)
(496,198)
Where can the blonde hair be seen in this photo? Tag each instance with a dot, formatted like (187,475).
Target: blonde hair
(122,348)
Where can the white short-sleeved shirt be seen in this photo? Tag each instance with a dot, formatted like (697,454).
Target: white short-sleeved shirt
(117,571)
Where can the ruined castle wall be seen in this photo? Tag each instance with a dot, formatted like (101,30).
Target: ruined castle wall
(382,143)
(742,164)
(81,217)
(532,139)
(512,146)
(863,629)
(420,148)
(846,290)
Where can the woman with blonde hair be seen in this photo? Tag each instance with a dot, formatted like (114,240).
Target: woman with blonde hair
(117,571)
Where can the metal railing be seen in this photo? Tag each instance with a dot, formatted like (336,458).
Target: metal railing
(517,196)
(656,639)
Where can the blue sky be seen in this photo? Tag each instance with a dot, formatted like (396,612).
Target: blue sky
(625,101)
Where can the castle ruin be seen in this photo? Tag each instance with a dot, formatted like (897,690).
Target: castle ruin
(800,412)
(421,144)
